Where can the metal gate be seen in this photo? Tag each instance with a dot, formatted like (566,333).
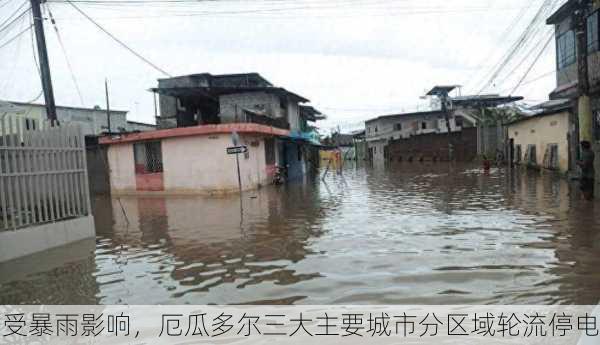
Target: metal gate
(43,173)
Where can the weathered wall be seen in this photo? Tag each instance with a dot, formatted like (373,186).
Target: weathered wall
(384,128)
(541,131)
(231,105)
(121,168)
(97,163)
(195,164)
(92,121)
(138,126)
(434,147)
(201,164)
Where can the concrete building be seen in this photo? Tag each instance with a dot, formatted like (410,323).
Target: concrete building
(383,129)
(198,115)
(542,140)
(93,121)
(568,85)
(192,160)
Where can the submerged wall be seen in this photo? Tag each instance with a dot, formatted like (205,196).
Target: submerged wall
(191,165)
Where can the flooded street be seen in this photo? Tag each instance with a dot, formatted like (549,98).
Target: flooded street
(420,234)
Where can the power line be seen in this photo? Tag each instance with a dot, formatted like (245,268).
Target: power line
(528,34)
(533,63)
(15,37)
(8,22)
(119,41)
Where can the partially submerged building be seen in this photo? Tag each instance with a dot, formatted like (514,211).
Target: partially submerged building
(543,140)
(201,115)
(382,130)
(424,135)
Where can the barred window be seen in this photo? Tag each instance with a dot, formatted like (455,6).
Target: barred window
(566,51)
(148,157)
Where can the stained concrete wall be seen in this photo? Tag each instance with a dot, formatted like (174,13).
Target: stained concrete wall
(541,131)
(385,128)
(22,242)
(231,105)
(201,164)
(194,165)
(121,168)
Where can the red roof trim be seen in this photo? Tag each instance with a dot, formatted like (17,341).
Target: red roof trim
(248,128)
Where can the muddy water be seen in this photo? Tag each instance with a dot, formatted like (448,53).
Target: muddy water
(421,234)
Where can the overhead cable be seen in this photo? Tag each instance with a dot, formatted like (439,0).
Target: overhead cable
(131,50)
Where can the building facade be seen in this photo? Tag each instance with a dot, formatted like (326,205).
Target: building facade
(200,115)
(542,140)
(380,131)
(579,16)
(93,121)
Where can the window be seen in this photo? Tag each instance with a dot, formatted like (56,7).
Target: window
(375,129)
(592,32)
(270,151)
(565,48)
(30,124)
(147,157)
(423,125)
(458,120)
(597,125)
(398,127)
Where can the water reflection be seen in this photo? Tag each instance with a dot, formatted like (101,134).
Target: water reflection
(417,233)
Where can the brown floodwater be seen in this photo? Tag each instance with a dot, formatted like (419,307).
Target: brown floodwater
(414,234)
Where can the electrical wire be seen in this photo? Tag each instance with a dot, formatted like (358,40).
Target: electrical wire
(15,37)
(528,35)
(9,21)
(35,61)
(64,51)
(533,63)
(119,41)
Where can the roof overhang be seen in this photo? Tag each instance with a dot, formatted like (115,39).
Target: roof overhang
(565,10)
(241,128)
(214,92)
(484,101)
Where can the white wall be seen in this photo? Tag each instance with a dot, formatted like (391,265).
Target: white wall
(200,164)
(436,123)
(122,168)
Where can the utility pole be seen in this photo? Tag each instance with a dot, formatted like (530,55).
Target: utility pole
(38,22)
(584,110)
(442,93)
(107,106)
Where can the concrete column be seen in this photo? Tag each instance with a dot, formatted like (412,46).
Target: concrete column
(586,123)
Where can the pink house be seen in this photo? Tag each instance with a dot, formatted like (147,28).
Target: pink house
(191,159)
(198,114)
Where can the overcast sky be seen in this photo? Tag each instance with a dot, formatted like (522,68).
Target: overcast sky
(354,59)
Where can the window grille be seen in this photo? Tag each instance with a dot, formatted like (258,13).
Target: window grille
(148,157)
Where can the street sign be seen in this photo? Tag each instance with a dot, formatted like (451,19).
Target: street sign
(237,149)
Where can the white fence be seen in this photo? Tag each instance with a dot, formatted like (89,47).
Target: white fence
(43,173)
